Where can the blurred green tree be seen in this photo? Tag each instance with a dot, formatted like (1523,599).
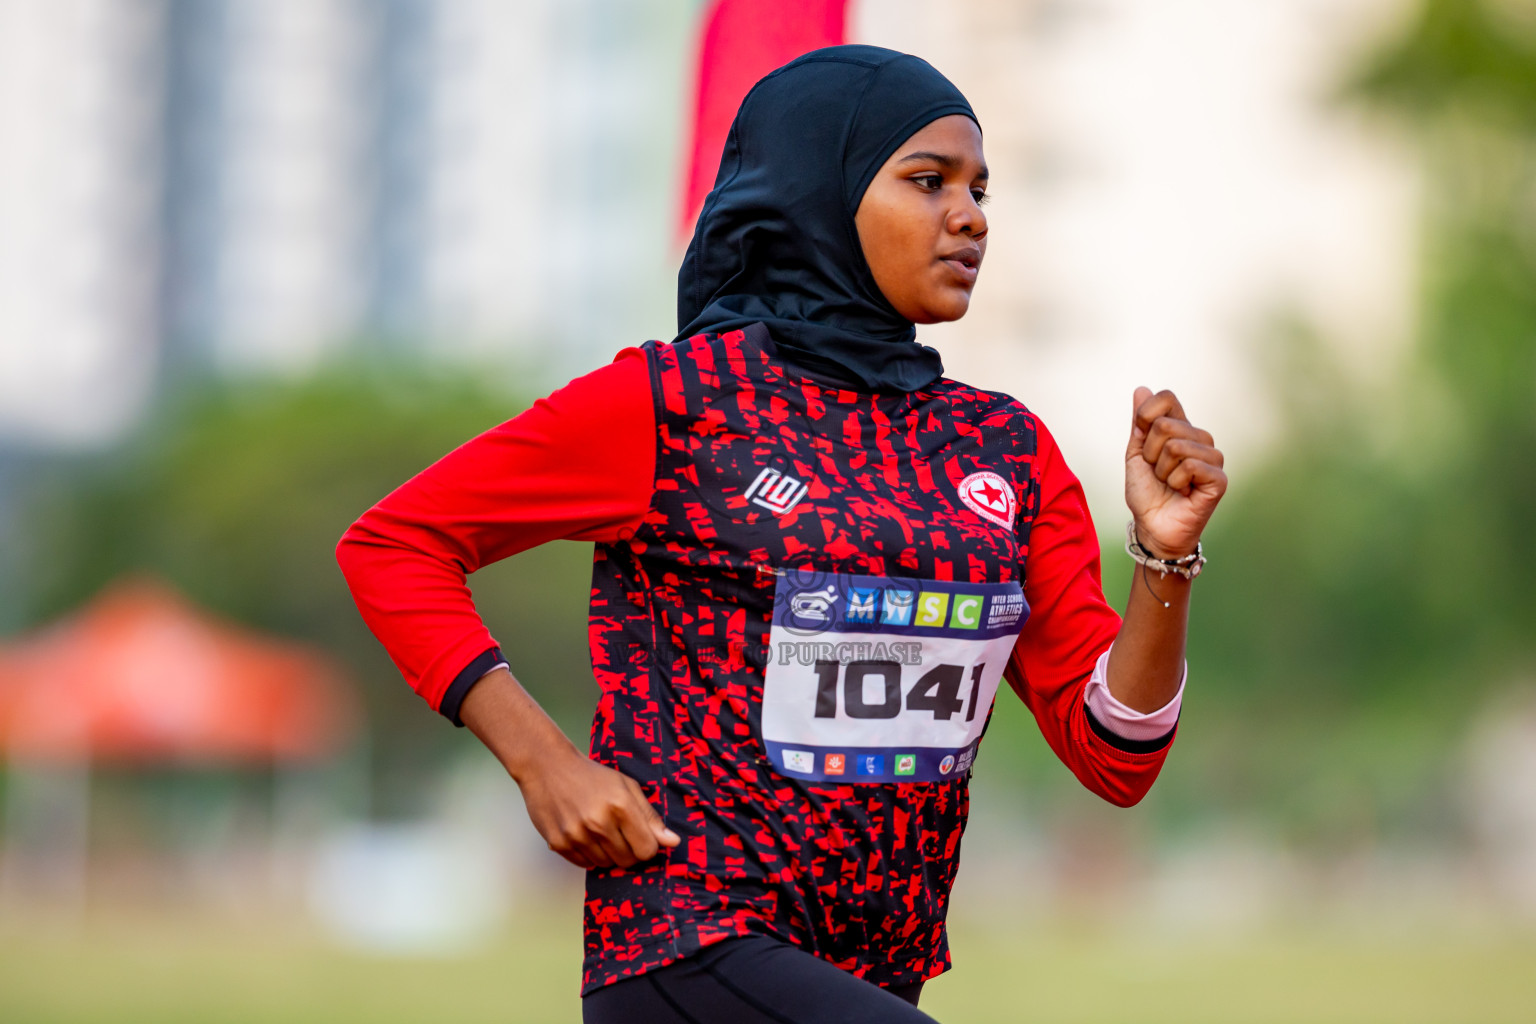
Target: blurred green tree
(1371,586)
(237,495)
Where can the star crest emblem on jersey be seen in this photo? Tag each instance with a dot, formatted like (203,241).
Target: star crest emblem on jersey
(990,496)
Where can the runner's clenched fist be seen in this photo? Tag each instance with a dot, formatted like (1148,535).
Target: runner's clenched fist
(1173,475)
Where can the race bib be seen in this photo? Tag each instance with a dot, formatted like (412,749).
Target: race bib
(881,678)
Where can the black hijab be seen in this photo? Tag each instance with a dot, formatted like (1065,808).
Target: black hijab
(776,240)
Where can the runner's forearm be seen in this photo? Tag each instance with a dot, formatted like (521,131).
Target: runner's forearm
(1146,662)
(588,813)
(513,726)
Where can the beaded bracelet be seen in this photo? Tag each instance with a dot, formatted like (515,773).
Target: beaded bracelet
(1188,566)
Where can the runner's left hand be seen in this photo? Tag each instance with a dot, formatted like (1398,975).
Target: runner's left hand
(1173,475)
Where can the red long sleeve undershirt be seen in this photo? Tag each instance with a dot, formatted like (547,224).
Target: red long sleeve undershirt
(577,465)
(1070,624)
(580,465)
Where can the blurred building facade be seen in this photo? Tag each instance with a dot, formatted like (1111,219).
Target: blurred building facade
(78,209)
(1166,179)
(263,184)
(260,184)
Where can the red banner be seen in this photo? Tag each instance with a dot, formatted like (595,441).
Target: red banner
(741,41)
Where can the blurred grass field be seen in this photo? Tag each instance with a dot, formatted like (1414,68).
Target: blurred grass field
(126,970)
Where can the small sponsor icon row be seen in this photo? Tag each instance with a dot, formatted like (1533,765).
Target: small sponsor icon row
(803,762)
(899,606)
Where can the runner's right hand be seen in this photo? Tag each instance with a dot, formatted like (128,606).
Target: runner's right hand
(593,816)
(589,814)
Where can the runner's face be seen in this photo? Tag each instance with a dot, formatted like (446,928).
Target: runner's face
(920,222)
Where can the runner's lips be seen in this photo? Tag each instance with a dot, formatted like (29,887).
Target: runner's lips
(964,262)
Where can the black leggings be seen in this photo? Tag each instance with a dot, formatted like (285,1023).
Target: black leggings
(751,980)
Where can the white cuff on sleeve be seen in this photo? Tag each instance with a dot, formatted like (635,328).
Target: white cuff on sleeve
(493,668)
(1121,720)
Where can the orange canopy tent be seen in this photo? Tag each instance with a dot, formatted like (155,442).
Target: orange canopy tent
(140,675)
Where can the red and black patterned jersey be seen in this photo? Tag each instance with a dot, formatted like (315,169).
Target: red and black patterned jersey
(857,873)
(748,472)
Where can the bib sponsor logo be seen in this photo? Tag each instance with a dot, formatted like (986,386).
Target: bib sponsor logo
(802,761)
(966,613)
(896,607)
(871,764)
(813,605)
(1006,611)
(836,764)
(906,764)
(776,491)
(947,765)
(861,605)
(991,497)
(931,608)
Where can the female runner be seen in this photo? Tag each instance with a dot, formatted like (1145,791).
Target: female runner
(816,557)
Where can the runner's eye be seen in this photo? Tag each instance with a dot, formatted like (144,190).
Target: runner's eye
(981,196)
(928,182)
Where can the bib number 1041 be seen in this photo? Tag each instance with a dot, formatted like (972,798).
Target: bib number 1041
(938,690)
